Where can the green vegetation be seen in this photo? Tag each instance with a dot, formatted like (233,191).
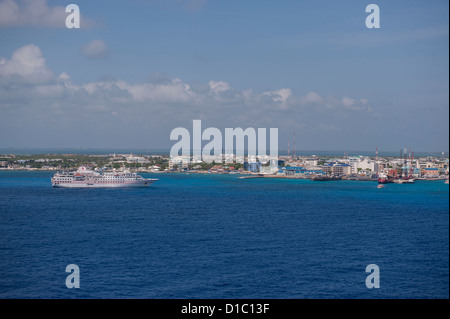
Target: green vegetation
(237,165)
(73,161)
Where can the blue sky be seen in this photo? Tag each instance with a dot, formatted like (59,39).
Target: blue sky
(137,69)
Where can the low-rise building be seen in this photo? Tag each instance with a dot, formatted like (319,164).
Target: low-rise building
(179,162)
(291,170)
(341,169)
(252,167)
(137,159)
(358,164)
(336,168)
(430,172)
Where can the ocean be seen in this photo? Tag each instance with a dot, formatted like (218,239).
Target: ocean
(218,236)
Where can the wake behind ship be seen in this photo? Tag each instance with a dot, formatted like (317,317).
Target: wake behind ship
(85,177)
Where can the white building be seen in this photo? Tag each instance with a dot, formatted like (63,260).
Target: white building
(310,162)
(136,159)
(337,168)
(180,161)
(358,163)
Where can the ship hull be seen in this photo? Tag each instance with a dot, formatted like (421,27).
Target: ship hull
(384,181)
(87,178)
(326,178)
(84,184)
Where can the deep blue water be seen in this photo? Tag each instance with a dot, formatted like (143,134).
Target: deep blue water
(217,236)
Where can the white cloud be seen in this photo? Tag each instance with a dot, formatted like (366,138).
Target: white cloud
(14,13)
(31,12)
(9,13)
(280,97)
(347,101)
(175,91)
(28,64)
(354,105)
(31,93)
(218,87)
(312,97)
(64,77)
(95,49)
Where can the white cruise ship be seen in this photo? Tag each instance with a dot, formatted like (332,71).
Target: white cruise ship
(85,177)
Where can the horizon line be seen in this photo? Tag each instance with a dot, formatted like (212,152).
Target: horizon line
(149,150)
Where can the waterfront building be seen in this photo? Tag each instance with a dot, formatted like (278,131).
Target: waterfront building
(217,169)
(358,164)
(416,173)
(426,164)
(314,171)
(443,167)
(310,162)
(341,169)
(136,159)
(155,168)
(430,172)
(336,168)
(181,162)
(291,170)
(253,167)
(229,158)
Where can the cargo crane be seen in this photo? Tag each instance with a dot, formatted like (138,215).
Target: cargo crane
(406,175)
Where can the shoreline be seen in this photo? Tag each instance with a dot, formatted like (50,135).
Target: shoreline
(239,175)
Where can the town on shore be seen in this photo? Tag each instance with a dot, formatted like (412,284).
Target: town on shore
(312,166)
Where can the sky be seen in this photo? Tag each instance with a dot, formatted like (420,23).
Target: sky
(135,70)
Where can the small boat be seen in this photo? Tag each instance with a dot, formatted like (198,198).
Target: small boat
(446,182)
(380,186)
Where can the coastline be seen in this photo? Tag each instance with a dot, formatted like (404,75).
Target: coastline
(238,175)
(317,168)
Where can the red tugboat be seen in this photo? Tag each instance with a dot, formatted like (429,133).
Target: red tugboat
(384,179)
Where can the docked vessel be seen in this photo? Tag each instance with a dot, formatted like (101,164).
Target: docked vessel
(404,180)
(384,179)
(86,178)
(325,178)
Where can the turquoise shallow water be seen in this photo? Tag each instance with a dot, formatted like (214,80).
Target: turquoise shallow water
(217,236)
